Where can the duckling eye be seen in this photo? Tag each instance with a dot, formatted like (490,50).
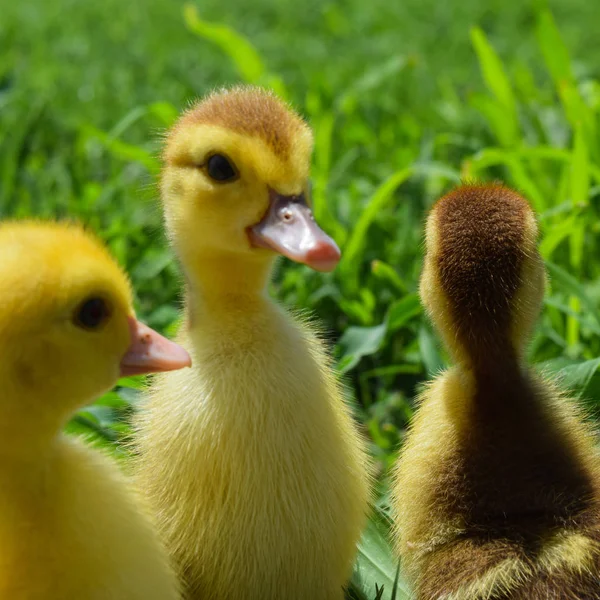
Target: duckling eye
(92,313)
(220,168)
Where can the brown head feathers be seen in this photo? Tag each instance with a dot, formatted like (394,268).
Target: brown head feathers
(251,111)
(481,243)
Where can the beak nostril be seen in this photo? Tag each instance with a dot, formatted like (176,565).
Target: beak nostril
(287,215)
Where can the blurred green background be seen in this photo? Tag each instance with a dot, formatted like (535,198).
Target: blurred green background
(406,99)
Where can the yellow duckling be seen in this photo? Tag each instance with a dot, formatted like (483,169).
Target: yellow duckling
(251,460)
(70,528)
(497,488)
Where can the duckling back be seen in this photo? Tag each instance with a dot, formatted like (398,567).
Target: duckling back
(497,487)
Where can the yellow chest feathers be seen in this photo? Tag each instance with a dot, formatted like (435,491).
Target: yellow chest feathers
(252,456)
(260,409)
(262,376)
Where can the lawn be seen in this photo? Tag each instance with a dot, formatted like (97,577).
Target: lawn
(406,99)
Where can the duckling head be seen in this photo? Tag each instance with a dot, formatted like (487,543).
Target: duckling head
(67,327)
(235,183)
(483,278)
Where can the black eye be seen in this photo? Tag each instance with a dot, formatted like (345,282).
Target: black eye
(92,313)
(220,168)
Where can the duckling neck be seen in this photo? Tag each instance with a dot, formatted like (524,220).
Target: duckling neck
(222,281)
(493,362)
(499,375)
(27,432)
(23,443)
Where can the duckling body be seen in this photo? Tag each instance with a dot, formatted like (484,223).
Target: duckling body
(497,490)
(72,529)
(70,524)
(251,460)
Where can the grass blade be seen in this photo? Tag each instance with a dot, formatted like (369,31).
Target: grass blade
(375,565)
(358,237)
(570,285)
(241,52)
(496,79)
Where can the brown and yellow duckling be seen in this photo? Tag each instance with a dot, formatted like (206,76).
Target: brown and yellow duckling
(251,460)
(497,490)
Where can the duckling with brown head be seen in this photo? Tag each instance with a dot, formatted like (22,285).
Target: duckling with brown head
(497,490)
(252,461)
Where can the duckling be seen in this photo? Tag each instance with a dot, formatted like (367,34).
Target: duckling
(251,460)
(71,526)
(496,491)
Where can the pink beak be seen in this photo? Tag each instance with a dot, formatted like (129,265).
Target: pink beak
(289,228)
(150,352)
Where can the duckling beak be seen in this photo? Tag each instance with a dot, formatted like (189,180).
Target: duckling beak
(150,352)
(289,228)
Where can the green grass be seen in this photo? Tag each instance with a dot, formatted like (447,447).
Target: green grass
(406,99)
